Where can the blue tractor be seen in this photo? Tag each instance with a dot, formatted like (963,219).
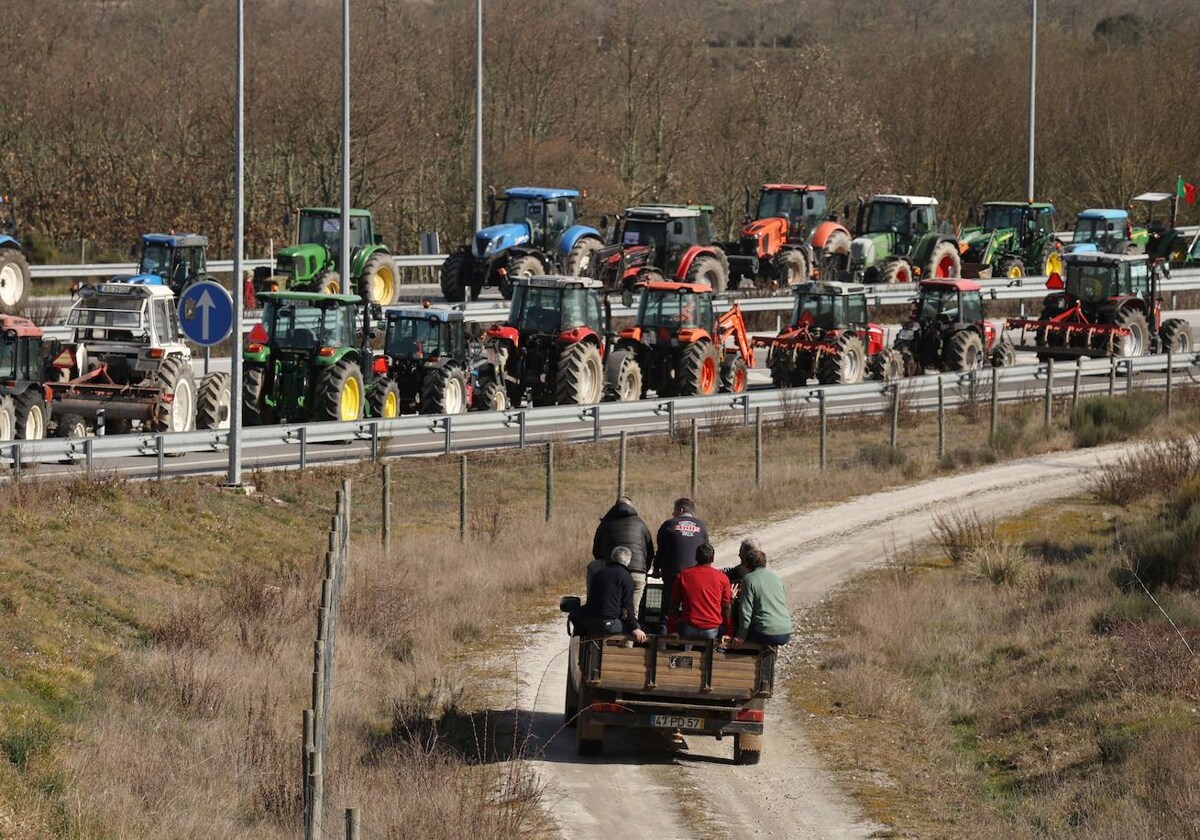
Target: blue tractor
(170,259)
(537,235)
(14,268)
(1106,232)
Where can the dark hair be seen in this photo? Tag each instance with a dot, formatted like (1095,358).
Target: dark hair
(685,505)
(705,554)
(758,558)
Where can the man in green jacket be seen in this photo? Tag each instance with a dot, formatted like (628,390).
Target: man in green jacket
(761,613)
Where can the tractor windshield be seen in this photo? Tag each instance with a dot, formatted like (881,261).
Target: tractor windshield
(300,325)
(544,218)
(638,232)
(413,338)
(1092,282)
(1001,216)
(675,310)
(796,207)
(156,259)
(108,317)
(536,309)
(935,303)
(826,312)
(883,216)
(1102,232)
(320,229)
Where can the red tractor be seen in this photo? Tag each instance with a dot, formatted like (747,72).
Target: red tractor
(830,339)
(24,401)
(788,239)
(679,347)
(654,242)
(947,331)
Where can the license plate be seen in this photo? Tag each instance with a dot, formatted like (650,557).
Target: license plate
(677,721)
(905,334)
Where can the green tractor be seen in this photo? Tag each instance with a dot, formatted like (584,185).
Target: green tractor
(899,239)
(1164,240)
(311,264)
(301,360)
(1015,239)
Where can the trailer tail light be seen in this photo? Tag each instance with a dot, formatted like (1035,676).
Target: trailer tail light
(609,708)
(326,352)
(750,715)
(157,353)
(258,335)
(380,366)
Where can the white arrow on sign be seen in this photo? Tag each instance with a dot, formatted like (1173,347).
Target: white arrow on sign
(205,303)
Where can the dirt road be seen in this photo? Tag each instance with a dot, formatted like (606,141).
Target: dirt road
(651,789)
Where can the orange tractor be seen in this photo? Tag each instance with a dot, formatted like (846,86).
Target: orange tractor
(788,239)
(679,346)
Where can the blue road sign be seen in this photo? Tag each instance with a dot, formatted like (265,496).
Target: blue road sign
(206,313)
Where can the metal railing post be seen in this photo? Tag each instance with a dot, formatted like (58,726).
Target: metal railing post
(695,457)
(941,415)
(994,407)
(595,424)
(1077,384)
(549,481)
(375,441)
(1048,409)
(822,431)
(895,437)
(1170,380)
(159,445)
(449,434)
(303,447)
(621,464)
(1129,376)
(521,429)
(1112,375)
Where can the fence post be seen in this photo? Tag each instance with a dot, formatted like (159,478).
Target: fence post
(1048,409)
(549,480)
(385,514)
(1170,378)
(462,498)
(352,824)
(822,432)
(1112,375)
(621,464)
(895,439)
(159,444)
(994,406)
(941,415)
(316,783)
(758,447)
(1076,385)
(695,456)
(306,748)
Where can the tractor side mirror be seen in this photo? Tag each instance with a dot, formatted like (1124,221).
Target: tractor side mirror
(569,603)
(845,211)
(677,228)
(604,222)
(1054,282)
(377,239)
(627,296)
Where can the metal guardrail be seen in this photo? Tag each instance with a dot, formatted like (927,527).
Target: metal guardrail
(423,434)
(48,272)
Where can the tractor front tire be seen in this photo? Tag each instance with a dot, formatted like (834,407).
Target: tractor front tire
(174,376)
(254,406)
(623,377)
(329,283)
(888,366)
(492,397)
(698,370)
(735,376)
(526,266)
(791,267)
(835,255)
(581,259)
(707,268)
(383,400)
(71,426)
(31,414)
(1175,337)
(896,271)
(1050,260)
(1138,340)
(444,391)
(378,283)
(456,275)
(965,351)
(580,376)
(1004,354)
(338,394)
(944,262)
(846,366)
(1011,267)
(14,280)
(212,401)
(8,419)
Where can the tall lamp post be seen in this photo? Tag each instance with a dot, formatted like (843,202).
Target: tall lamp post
(1032,90)
(479,114)
(239,214)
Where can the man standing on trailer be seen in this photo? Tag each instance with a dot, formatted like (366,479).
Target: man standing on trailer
(678,540)
(621,526)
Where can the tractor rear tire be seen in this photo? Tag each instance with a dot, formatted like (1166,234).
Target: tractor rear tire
(378,282)
(14,280)
(707,268)
(623,377)
(383,400)
(8,419)
(456,275)
(835,255)
(1011,267)
(174,376)
(212,401)
(71,426)
(1050,260)
(698,371)
(1004,354)
(31,415)
(526,266)
(492,397)
(846,367)
(888,366)
(735,376)
(944,261)
(895,271)
(580,376)
(581,259)
(1175,337)
(965,351)
(338,394)
(444,391)
(791,268)
(254,407)
(1137,342)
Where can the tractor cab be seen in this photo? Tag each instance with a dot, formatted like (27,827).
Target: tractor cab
(303,323)
(555,305)
(802,206)
(1106,232)
(829,306)
(902,216)
(174,260)
(666,309)
(954,302)
(534,217)
(423,334)
(1100,278)
(668,230)
(20,351)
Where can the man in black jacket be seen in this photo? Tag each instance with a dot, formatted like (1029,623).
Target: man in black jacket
(678,539)
(610,604)
(622,526)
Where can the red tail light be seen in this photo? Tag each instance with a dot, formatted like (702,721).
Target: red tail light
(254,347)
(750,715)
(157,353)
(258,334)
(325,352)
(610,708)
(380,365)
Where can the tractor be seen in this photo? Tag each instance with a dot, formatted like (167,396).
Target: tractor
(1163,239)
(551,350)
(428,364)
(174,260)
(1107,232)
(1107,305)
(1015,239)
(830,339)
(24,403)
(678,346)
(14,275)
(788,239)
(302,362)
(658,241)
(311,264)
(898,239)
(127,362)
(947,331)
(538,235)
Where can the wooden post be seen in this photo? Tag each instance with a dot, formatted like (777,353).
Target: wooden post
(1048,408)
(1129,376)
(695,456)
(385,514)
(1076,385)
(549,481)
(895,439)
(822,432)
(306,748)
(994,407)
(1170,378)
(621,464)
(462,498)
(1112,375)
(758,447)
(316,785)
(941,411)
(352,824)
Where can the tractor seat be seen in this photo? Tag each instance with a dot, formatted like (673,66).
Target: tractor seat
(301,338)
(542,320)
(407,348)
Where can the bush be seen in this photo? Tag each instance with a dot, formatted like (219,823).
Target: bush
(1165,550)
(880,456)
(961,533)
(1101,420)
(999,562)
(1163,465)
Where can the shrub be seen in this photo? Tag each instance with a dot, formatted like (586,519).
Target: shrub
(999,562)
(961,533)
(1101,420)
(880,456)
(1165,550)
(1172,464)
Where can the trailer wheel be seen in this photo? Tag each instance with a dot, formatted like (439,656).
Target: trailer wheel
(846,366)
(734,376)
(174,376)
(8,419)
(31,415)
(456,275)
(1136,342)
(965,351)
(71,426)
(623,377)
(212,401)
(747,749)
(444,391)
(378,281)
(384,399)
(580,375)
(254,407)
(14,279)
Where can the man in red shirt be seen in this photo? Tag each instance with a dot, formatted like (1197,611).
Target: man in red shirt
(702,598)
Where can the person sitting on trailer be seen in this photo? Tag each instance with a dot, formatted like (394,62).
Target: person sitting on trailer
(610,606)
(762,613)
(701,600)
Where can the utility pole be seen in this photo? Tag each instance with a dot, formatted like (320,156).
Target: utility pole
(1032,90)
(344,255)
(234,479)
(479,115)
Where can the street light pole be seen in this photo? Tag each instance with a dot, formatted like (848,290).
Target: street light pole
(479,115)
(344,253)
(239,212)
(1032,90)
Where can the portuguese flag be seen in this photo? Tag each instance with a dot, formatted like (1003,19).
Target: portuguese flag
(1186,191)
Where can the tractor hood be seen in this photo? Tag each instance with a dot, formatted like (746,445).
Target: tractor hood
(138,279)
(775,227)
(301,261)
(499,238)
(869,249)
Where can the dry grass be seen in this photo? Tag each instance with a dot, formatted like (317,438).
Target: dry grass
(1155,467)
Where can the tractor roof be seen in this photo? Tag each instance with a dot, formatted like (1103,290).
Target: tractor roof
(793,188)
(128,290)
(668,286)
(22,327)
(1094,213)
(1096,258)
(310,297)
(544,193)
(829,287)
(1037,205)
(661,212)
(175,240)
(1154,196)
(424,313)
(916,200)
(552,281)
(955,283)
(333,211)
